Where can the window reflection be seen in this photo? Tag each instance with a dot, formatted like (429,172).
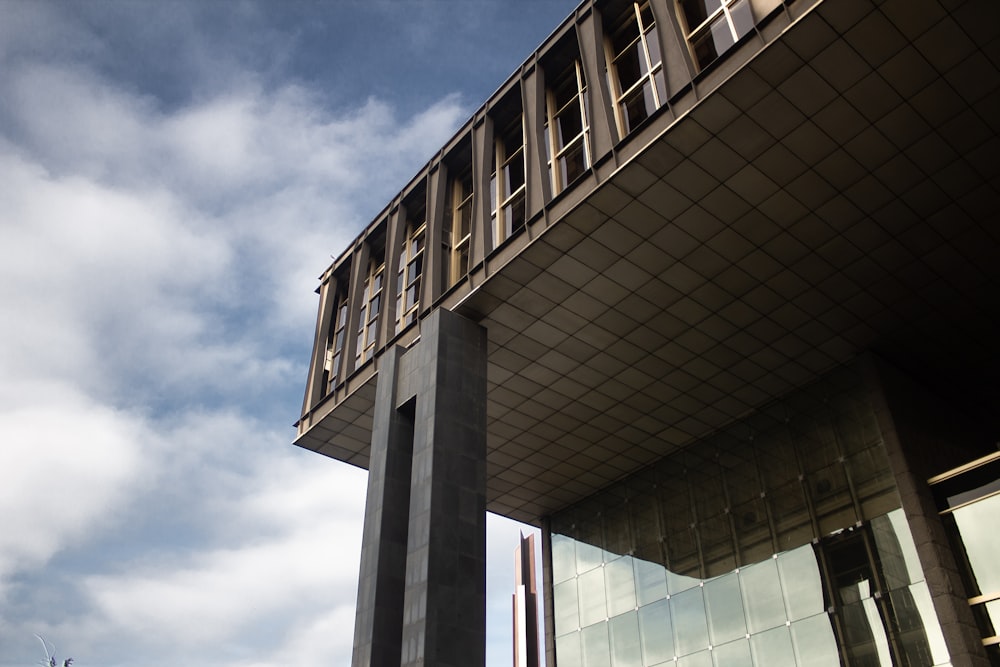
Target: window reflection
(969,500)
(788,574)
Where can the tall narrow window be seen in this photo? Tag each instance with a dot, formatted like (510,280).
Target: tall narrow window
(371,303)
(411,264)
(713,26)
(636,68)
(335,343)
(458,226)
(567,130)
(507,181)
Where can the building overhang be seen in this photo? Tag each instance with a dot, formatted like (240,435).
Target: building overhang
(836,194)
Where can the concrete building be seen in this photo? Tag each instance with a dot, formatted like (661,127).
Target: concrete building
(708,290)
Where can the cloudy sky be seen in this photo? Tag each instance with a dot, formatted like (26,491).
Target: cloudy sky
(173,178)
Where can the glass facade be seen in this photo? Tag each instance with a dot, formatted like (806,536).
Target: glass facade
(776,542)
(969,499)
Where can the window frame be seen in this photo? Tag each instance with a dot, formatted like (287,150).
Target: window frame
(693,35)
(371,293)
(458,248)
(501,226)
(333,359)
(554,154)
(650,73)
(412,258)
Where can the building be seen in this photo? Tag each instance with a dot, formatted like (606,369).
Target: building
(709,291)
(525,604)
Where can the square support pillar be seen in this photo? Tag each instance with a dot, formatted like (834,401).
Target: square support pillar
(428,608)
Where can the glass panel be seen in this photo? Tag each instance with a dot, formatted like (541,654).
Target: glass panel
(588,557)
(696,11)
(596,651)
(653,45)
(514,174)
(514,215)
(725,609)
(630,66)
(621,586)
(733,654)
(742,17)
(687,610)
(977,526)
(569,124)
(700,659)
(910,626)
(988,617)
(762,595)
(814,643)
(563,558)
(568,649)
(800,583)
(656,634)
(636,107)
(573,163)
(650,582)
(625,650)
(773,647)
(567,617)
(593,604)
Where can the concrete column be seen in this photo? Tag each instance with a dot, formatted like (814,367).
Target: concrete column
(422,593)
(379,616)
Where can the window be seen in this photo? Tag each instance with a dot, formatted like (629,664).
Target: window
(458,226)
(335,343)
(637,69)
(371,302)
(713,26)
(411,263)
(567,131)
(507,181)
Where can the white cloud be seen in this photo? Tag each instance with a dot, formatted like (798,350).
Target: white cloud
(68,464)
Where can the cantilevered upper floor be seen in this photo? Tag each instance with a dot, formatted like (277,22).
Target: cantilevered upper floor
(675,211)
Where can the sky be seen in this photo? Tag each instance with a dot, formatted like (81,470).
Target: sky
(174,176)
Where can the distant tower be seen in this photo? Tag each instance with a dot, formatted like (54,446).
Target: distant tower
(525,604)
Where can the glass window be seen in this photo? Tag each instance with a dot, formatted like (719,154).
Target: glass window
(713,26)
(773,647)
(814,643)
(687,610)
(762,599)
(636,70)
(457,239)
(411,263)
(969,500)
(371,303)
(566,602)
(725,609)
(568,649)
(620,585)
(625,650)
(507,186)
(596,650)
(593,597)
(567,129)
(656,633)
(733,654)
(335,343)
(563,557)
(650,582)
(800,583)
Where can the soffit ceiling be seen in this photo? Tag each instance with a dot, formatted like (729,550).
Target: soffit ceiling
(837,194)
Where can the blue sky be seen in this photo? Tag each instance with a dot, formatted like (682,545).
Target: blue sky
(175,177)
